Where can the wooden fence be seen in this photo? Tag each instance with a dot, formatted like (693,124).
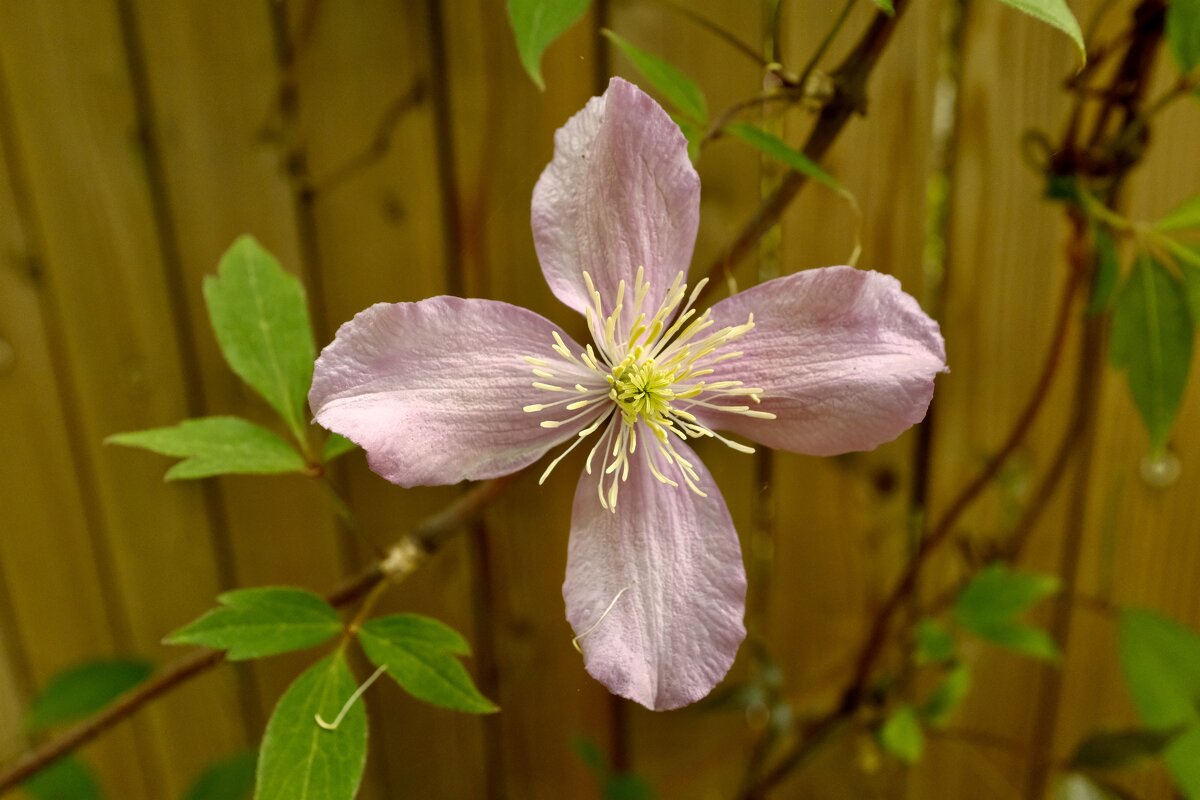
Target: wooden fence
(386,150)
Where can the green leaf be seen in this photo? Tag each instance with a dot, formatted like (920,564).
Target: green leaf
(229,779)
(1108,269)
(781,151)
(1161,662)
(948,695)
(1186,214)
(253,623)
(83,690)
(886,7)
(990,604)
(335,447)
(216,446)
(1191,279)
(66,780)
(1183,33)
(1055,13)
(934,644)
(300,760)
(1152,341)
(420,654)
(1120,749)
(260,318)
(901,735)
(536,24)
(628,787)
(680,91)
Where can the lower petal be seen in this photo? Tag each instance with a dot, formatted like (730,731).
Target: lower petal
(655,590)
(434,390)
(845,360)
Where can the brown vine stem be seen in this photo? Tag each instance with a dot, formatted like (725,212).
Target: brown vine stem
(850,80)
(405,556)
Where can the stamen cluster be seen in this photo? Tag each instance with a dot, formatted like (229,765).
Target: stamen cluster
(649,378)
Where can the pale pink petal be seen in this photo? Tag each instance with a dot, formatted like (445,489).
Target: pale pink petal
(434,390)
(620,193)
(673,632)
(845,359)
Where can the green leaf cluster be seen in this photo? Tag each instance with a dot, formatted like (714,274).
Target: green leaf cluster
(990,605)
(260,318)
(1161,662)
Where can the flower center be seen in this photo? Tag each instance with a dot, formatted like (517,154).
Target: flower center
(653,376)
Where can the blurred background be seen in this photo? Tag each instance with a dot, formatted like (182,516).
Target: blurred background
(387,150)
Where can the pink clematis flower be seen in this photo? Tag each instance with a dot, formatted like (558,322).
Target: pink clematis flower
(821,362)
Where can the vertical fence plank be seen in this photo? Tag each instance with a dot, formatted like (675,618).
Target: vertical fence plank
(75,124)
(364,153)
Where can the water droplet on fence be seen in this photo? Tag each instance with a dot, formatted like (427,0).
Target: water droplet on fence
(1161,472)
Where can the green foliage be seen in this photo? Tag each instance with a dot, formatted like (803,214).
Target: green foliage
(1186,214)
(948,695)
(613,785)
(1108,269)
(84,689)
(335,447)
(680,91)
(299,759)
(252,623)
(66,780)
(990,604)
(1055,13)
(1161,661)
(1120,749)
(781,151)
(886,7)
(934,644)
(536,24)
(260,318)
(216,446)
(1183,33)
(229,779)
(901,735)
(420,655)
(1152,341)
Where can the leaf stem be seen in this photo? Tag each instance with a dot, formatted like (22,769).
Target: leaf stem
(830,35)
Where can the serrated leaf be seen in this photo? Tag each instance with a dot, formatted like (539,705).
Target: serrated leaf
(1120,749)
(260,317)
(1108,270)
(1161,662)
(1057,14)
(300,760)
(216,446)
(781,151)
(901,735)
(420,654)
(933,644)
(680,91)
(335,447)
(1183,33)
(252,623)
(948,695)
(68,779)
(536,24)
(1186,214)
(1152,342)
(228,779)
(84,689)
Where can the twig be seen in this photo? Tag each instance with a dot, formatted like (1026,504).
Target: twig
(425,539)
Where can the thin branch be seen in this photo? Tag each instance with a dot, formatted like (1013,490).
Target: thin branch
(404,558)
(716,30)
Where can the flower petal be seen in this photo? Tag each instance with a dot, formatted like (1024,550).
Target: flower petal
(620,193)
(434,390)
(844,357)
(674,559)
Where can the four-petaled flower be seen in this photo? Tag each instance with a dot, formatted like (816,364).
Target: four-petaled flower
(821,362)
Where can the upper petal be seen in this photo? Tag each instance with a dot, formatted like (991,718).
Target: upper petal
(845,360)
(434,390)
(620,193)
(674,560)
